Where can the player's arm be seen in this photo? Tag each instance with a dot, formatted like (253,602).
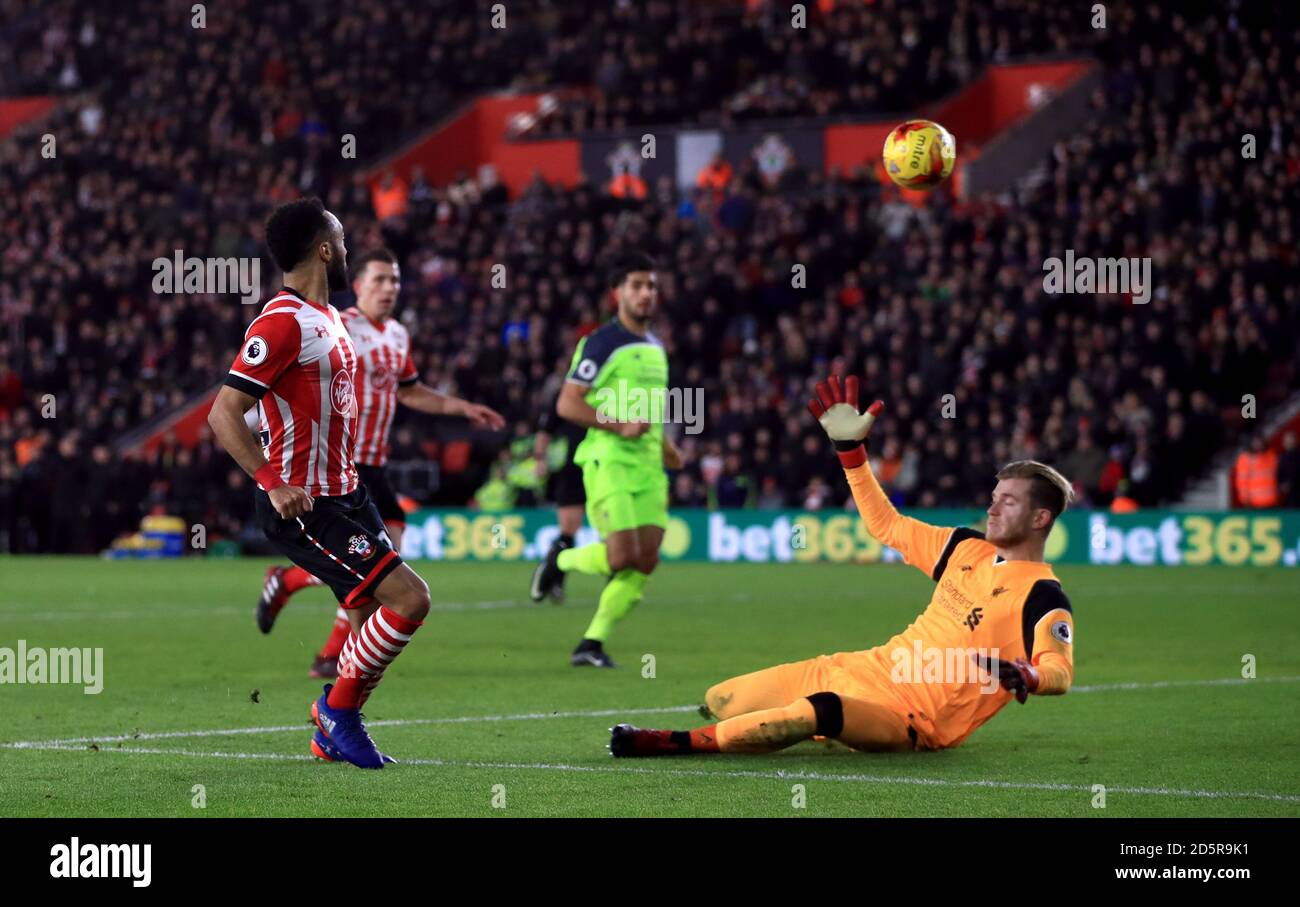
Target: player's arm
(231,430)
(836,408)
(588,367)
(673,458)
(419,396)
(572,405)
(272,343)
(1049,639)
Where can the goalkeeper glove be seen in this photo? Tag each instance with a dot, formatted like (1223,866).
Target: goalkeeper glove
(1019,676)
(836,408)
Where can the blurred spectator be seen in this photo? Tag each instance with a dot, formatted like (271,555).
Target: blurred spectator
(1254,476)
(390,197)
(714,176)
(1084,467)
(627,185)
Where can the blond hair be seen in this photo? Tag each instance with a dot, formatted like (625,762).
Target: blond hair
(1048,489)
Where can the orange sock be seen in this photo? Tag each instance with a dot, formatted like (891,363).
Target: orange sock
(767,730)
(704,739)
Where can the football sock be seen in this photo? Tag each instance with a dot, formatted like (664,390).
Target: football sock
(338,636)
(619,597)
(296,578)
(704,739)
(650,742)
(590,559)
(366,655)
(567,540)
(768,730)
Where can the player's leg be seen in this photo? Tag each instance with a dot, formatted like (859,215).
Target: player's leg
(277,586)
(382,626)
(569,519)
(574,489)
(570,500)
(623,589)
(635,555)
(862,724)
(385,615)
(768,688)
(873,727)
(326,663)
(381,494)
(342,541)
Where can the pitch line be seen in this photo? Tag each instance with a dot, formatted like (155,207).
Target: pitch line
(305,725)
(165,612)
(542,716)
(774,775)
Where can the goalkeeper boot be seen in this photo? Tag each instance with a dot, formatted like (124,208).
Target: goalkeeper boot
(626,742)
(273,599)
(345,731)
(590,653)
(548,573)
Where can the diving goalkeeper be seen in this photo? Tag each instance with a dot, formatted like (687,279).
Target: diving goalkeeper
(998,627)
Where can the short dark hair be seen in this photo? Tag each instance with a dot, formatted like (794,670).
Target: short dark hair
(380,254)
(293,228)
(626,263)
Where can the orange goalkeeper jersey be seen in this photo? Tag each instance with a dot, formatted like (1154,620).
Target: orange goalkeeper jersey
(982,604)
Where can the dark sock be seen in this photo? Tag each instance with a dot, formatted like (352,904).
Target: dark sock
(566,540)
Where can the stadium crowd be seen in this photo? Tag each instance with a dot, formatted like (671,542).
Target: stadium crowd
(941,308)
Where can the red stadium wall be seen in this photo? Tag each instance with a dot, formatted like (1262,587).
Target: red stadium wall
(477,135)
(14,112)
(183,427)
(984,109)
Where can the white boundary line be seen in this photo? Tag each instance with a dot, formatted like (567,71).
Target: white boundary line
(58,743)
(776,775)
(306,726)
(79,744)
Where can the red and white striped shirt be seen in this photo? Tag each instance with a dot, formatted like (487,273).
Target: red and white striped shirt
(298,361)
(383,365)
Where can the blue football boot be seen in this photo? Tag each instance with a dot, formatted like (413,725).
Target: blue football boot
(345,733)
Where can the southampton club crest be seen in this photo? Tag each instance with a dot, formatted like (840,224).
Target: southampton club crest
(774,157)
(362,547)
(624,158)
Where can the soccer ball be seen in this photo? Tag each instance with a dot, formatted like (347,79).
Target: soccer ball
(919,154)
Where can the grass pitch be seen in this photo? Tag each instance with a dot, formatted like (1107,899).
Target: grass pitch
(490,720)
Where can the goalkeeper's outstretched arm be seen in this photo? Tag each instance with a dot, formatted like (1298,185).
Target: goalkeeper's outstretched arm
(836,408)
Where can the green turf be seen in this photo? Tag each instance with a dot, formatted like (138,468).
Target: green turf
(182,654)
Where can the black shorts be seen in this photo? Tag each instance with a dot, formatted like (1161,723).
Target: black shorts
(341,541)
(376,482)
(567,487)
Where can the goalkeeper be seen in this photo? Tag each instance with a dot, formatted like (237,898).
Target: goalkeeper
(998,627)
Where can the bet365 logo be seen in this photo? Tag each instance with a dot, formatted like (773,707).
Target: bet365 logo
(974,617)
